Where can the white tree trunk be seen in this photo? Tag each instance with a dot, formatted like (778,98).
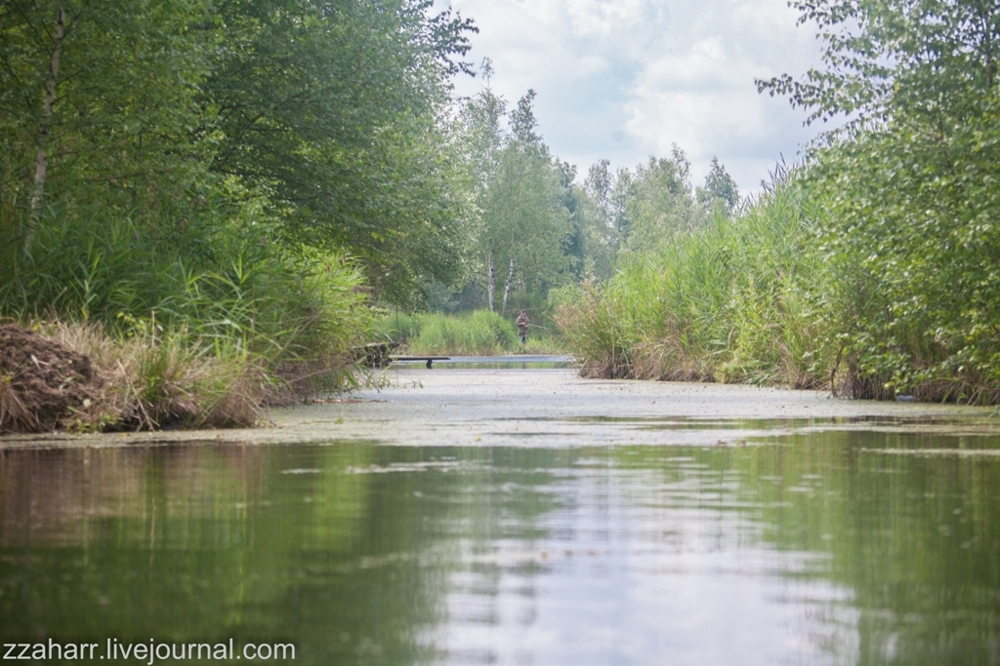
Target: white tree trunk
(41,157)
(490,280)
(506,287)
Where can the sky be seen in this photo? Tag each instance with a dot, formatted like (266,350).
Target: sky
(626,79)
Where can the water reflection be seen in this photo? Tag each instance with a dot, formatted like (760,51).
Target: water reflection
(811,548)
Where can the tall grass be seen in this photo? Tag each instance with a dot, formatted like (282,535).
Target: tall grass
(152,379)
(785,295)
(221,278)
(477,333)
(196,322)
(729,303)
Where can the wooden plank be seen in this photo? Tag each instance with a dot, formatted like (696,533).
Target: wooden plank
(430,359)
(420,358)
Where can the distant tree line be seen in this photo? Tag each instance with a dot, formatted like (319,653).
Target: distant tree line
(533,227)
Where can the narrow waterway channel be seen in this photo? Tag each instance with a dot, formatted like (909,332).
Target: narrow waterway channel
(483,515)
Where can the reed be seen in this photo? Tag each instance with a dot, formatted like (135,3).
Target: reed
(476,333)
(729,302)
(153,379)
(197,324)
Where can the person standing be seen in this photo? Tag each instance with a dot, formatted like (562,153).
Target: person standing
(522,326)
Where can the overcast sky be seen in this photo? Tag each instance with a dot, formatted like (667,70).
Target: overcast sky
(625,79)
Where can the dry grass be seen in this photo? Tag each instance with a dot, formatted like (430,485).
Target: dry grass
(13,414)
(155,380)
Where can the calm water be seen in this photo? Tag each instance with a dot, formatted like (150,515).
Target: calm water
(833,548)
(518,361)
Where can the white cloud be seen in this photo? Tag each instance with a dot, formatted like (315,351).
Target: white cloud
(625,79)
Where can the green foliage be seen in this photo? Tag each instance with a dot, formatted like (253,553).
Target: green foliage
(728,302)
(210,167)
(898,61)
(910,188)
(471,333)
(720,191)
(660,204)
(221,279)
(524,228)
(323,119)
(875,268)
(333,111)
(121,132)
(196,328)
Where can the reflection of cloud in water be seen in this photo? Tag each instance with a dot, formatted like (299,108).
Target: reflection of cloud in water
(789,551)
(632,570)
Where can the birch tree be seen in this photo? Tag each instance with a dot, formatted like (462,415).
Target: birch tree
(523,220)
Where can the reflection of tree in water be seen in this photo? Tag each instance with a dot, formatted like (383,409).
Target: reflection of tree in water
(340,548)
(189,543)
(915,538)
(368,554)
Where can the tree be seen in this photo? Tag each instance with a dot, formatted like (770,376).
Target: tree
(910,187)
(520,194)
(621,193)
(720,192)
(661,203)
(895,59)
(333,110)
(97,105)
(327,115)
(600,216)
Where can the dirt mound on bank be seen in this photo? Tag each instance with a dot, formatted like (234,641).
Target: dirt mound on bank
(42,381)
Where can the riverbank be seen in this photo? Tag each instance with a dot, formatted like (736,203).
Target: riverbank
(87,377)
(520,407)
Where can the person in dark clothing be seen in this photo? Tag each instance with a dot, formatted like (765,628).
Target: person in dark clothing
(522,324)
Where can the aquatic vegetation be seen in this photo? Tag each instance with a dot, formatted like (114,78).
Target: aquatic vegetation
(199,331)
(477,333)
(729,302)
(788,293)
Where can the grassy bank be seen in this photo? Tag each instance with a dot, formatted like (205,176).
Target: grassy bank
(478,333)
(107,381)
(191,325)
(784,294)
(728,303)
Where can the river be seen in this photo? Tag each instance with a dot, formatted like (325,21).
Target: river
(470,515)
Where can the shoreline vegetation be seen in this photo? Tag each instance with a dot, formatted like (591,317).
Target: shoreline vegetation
(88,377)
(201,202)
(872,268)
(476,333)
(778,295)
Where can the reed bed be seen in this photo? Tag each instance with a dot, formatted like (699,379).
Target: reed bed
(476,333)
(728,303)
(197,326)
(784,295)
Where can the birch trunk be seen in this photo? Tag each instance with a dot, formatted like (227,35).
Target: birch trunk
(490,280)
(42,158)
(506,287)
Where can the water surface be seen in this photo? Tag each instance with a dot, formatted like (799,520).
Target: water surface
(505,362)
(827,547)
